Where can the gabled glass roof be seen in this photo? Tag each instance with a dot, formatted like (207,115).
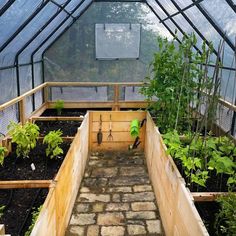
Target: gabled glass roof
(28,28)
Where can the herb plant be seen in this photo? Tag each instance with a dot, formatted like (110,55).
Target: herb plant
(135,128)
(53,140)
(35,215)
(59,105)
(225,223)
(25,137)
(3,151)
(2,208)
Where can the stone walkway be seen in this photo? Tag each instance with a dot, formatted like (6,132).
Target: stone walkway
(115,198)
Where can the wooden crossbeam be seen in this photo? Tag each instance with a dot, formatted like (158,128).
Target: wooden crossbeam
(14,184)
(207,196)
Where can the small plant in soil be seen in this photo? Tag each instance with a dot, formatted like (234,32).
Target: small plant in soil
(3,151)
(35,215)
(25,137)
(225,223)
(53,140)
(59,105)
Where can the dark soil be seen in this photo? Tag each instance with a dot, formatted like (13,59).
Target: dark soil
(19,205)
(207,211)
(71,112)
(69,128)
(18,168)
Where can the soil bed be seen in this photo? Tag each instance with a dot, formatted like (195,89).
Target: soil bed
(69,128)
(18,168)
(207,211)
(71,112)
(20,203)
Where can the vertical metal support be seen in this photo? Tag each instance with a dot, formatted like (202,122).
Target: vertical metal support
(33,82)
(22,111)
(116,107)
(233,122)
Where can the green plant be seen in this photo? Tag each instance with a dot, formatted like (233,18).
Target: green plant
(35,215)
(225,223)
(25,137)
(59,105)
(3,151)
(135,128)
(176,81)
(2,208)
(53,140)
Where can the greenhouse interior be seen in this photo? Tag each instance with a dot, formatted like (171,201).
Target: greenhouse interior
(117,117)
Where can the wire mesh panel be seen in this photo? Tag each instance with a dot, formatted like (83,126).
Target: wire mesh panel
(79,93)
(25,77)
(9,114)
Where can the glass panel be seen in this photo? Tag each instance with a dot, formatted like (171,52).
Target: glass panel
(19,11)
(157,8)
(72,57)
(81,8)
(24,57)
(2,3)
(25,75)
(223,15)
(117,41)
(8,89)
(38,54)
(8,54)
(72,5)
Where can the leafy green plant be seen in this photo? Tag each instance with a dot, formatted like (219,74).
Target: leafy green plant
(53,140)
(3,151)
(25,137)
(35,215)
(225,223)
(175,82)
(59,105)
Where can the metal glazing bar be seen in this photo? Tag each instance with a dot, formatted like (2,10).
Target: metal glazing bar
(62,7)
(41,29)
(174,22)
(6,6)
(182,10)
(231,4)
(13,66)
(215,26)
(33,84)
(192,25)
(57,28)
(120,1)
(24,25)
(167,27)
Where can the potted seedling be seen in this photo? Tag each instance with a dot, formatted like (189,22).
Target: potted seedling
(3,151)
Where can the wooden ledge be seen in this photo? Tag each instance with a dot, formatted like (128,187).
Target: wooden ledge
(56,118)
(207,196)
(13,184)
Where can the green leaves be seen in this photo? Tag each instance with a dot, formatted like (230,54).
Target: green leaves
(226,218)
(25,137)
(59,105)
(3,151)
(53,140)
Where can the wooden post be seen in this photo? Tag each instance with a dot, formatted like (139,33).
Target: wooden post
(22,110)
(46,94)
(115,107)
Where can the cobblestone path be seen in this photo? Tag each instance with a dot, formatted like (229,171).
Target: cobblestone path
(115,198)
